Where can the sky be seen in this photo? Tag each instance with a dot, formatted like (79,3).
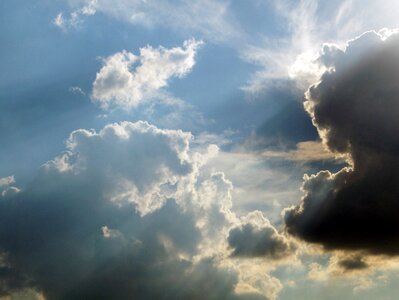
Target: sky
(203,149)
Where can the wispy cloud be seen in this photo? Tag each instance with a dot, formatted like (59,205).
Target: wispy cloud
(76,17)
(210,19)
(308,25)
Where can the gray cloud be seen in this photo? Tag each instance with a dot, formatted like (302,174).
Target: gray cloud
(256,237)
(69,234)
(354,108)
(353,263)
(248,241)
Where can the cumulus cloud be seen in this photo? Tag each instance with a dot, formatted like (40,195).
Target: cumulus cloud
(126,80)
(354,108)
(106,220)
(258,238)
(160,158)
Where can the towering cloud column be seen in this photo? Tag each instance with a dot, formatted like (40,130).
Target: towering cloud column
(355,108)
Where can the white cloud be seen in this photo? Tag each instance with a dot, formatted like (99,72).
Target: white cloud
(6,186)
(76,90)
(138,162)
(126,80)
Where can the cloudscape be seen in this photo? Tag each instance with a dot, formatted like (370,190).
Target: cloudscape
(194,150)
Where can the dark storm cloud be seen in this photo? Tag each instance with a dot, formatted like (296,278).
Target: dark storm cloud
(66,236)
(249,241)
(353,263)
(355,108)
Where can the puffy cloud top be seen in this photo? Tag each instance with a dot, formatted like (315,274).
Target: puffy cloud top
(126,80)
(105,220)
(134,161)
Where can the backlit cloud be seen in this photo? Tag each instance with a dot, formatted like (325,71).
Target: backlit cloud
(121,213)
(258,238)
(354,108)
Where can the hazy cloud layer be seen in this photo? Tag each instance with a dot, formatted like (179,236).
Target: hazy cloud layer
(209,18)
(305,151)
(354,108)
